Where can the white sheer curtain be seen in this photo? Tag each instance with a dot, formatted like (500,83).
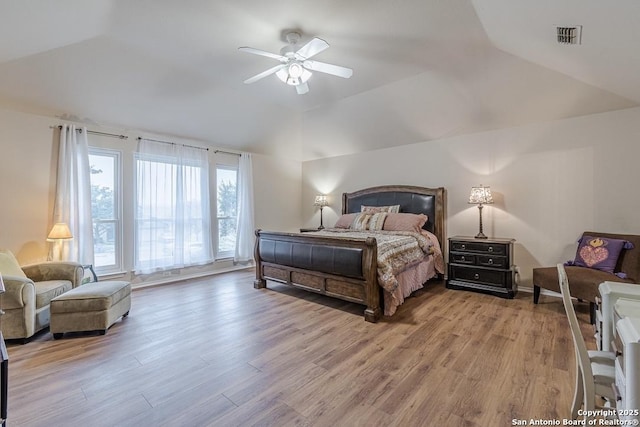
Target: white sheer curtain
(172,216)
(73,194)
(245,225)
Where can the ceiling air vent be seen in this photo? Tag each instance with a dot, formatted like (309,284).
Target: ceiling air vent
(569,35)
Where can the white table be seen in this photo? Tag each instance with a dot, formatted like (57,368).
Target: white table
(610,292)
(628,368)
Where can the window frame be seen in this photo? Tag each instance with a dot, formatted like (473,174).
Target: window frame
(117,267)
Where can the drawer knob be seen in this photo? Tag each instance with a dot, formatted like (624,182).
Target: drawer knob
(490,249)
(476,276)
(463,247)
(490,260)
(462,258)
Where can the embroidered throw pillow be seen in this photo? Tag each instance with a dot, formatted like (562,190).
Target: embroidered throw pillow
(600,253)
(376,223)
(369,221)
(374,209)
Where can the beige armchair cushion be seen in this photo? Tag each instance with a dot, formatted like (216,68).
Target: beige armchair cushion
(49,289)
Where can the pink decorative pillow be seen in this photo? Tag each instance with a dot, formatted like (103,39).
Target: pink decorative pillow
(405,222)
(345,220)
(600,253)
(375,209)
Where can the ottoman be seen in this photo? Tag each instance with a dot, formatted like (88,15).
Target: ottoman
(93,306)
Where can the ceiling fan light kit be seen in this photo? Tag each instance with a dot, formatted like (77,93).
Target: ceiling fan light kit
(296,68)
(294,74)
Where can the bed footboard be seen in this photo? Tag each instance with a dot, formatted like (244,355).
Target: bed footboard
(338,267)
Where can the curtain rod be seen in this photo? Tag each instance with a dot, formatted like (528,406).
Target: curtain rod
(227,152)
(113,135)
(94,132)
(172,143)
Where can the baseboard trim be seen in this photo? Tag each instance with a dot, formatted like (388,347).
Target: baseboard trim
(198,275)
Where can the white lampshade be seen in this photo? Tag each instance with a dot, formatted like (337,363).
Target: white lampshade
(60,231)
(480,195)
(321,200)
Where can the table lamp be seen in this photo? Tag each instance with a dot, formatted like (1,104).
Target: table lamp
(480,195)
(321,201)
(59,233)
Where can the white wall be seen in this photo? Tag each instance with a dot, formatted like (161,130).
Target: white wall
(27,183)
(550,181)
(28,153)
(277,191)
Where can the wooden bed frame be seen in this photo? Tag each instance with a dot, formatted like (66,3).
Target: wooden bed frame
(341,267)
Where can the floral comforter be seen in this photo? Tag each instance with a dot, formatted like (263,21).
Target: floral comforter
(397,250)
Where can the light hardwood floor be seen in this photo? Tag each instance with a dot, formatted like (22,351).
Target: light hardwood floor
(216,352)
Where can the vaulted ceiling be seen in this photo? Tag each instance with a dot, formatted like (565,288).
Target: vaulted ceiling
(423,69)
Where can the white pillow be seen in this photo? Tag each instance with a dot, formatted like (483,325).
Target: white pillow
(9,264)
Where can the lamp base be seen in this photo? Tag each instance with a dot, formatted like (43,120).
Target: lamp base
(480,234)
(321,226)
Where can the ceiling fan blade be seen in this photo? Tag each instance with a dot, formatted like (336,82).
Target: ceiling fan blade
(323,67)
(262,52)
(264,74)
(314,47)
(302,88)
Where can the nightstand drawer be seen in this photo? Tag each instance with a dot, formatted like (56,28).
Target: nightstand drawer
(479,275)
(462,258)
(492,261)
(479,247)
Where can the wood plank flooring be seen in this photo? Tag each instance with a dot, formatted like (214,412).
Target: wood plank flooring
(216,352)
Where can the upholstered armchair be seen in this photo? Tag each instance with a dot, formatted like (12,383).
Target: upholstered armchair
(585,281)
(29,290)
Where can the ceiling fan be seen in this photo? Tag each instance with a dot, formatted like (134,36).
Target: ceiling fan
(296,65)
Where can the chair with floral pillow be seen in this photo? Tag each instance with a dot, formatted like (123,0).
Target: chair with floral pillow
(600,257)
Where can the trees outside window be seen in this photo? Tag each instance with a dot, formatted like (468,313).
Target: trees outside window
(227,201)
(105,209)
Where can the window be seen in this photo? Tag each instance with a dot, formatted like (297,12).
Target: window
(227,198)
(106,210)
(172,216)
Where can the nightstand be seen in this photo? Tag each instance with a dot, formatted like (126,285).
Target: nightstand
(308,230)
(482,265)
